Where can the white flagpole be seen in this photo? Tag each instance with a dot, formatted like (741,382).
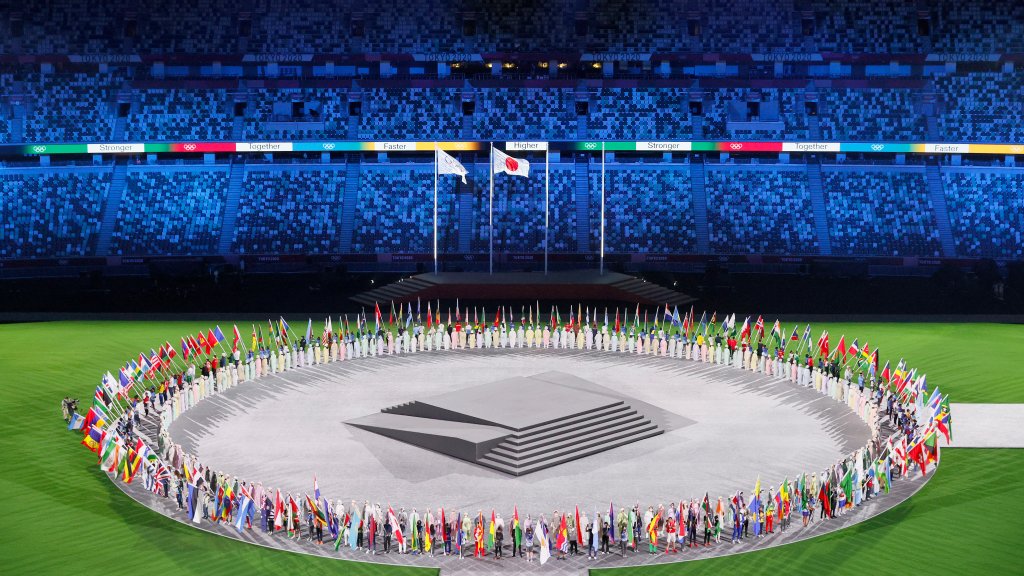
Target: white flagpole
(490,216)
(435,206)
(602,208)
(547,213)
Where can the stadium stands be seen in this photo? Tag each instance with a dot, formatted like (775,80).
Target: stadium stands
(880,214)
(69,107)
(877,114)
(511,114)
(986,210)
(648,209)
(180,114)
(641,113)
(289,211)
(50,214)
(170,212)
(760,211)
(418,113)
(323,114)
(394,26)
(395,210)
(982,107)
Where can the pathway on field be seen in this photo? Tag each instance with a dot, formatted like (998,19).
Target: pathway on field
(987,425)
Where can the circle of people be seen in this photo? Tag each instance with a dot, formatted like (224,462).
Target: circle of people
(171,387)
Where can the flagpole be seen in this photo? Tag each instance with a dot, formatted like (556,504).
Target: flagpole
(490,215)
(435,207)
(602,210)
(547,213)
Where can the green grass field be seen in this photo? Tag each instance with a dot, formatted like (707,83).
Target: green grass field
(66,516)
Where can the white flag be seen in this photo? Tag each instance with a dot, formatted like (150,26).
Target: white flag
(447,164)
(512,166)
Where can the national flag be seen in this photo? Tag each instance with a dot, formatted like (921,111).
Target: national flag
(745,331)
(285,328)
(823,346)
(846,484)
(212,338)
(237,338)
(76,422)
(447,164)
(841,347)
(490,532)
(777,333)
(279,512)
(378,318)
(318,513)
(100,397)
(794,337)
(502,163)
(201,339)
(854,349)
(192,501)
(542,540)
(218,335)
(611,522)
(562,538)
(579,527)
(245,510)
(758,326)
(396,529)
(95,417)
(631,535)
(882,472)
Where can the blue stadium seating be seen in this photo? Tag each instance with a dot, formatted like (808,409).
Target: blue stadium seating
(986,210)
(180,114)
(647,209)
(69,107)
(760,212)
(880,214)
(170,212)
(982,107)
(51,214)
(290,211)
(395,210)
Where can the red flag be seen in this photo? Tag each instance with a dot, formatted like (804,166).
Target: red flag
(203,342)
(238,336)
(885,375)
(579,529)
(376,310)
(430,317)
(561,542)
(171,353)
(211,339)
(842,346)
(616,331)
(497,318)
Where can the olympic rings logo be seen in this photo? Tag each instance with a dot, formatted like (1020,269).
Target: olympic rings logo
(190,147)
(328,145)
(878,147)
(39,149)
(736,146)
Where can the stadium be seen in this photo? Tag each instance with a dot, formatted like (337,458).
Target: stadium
(512,287)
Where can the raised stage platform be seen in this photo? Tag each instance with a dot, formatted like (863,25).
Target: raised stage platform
(516,425)
(573,286)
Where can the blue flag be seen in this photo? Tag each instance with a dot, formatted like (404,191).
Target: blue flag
(353,530)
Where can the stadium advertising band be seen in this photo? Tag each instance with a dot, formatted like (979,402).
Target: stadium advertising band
(469,146)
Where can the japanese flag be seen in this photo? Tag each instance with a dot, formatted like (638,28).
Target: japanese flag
(502,162)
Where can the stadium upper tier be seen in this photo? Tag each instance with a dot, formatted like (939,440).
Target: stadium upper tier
(76,107)
(466,26)
(375,209)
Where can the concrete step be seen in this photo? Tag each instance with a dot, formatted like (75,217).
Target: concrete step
(517,439)
(575,445)
(571,437)
(582,453)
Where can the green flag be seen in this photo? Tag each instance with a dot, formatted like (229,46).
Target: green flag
(629,529)
(847,485)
